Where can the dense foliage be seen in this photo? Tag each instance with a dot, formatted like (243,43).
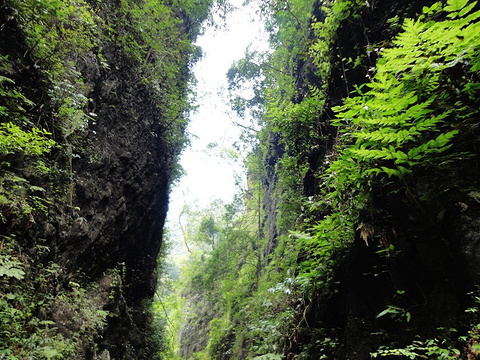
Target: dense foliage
(355,236)
(56,57)
(349,139)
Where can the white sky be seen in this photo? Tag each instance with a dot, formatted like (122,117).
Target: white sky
(210,177)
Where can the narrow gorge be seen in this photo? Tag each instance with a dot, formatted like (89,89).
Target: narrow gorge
(354,233)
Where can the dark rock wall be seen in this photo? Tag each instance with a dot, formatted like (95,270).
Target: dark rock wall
(122,191)
(108,207)
(122,181)
(433,226)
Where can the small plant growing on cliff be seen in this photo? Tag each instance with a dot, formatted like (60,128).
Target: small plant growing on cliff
(429,349)
(34,317)
(400,122)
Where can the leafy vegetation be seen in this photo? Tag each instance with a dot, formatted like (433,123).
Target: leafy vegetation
(340,153)
(59,67)
(223,287)
(38,319)
(320,179)
(407,101)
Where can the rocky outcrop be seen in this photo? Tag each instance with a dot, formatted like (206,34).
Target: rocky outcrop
(416,258)
(122,186)
(108,194)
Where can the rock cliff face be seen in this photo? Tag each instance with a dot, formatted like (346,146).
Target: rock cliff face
(121,188)
(107,196)
(428,277)
(123,191)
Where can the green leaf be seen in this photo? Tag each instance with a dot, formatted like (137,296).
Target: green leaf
(476,348)
(467,9)
(6,79)
(11,268)
(384,312)
(49,353)
(455,5)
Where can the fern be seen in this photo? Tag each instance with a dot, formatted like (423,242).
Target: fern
(400,122)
